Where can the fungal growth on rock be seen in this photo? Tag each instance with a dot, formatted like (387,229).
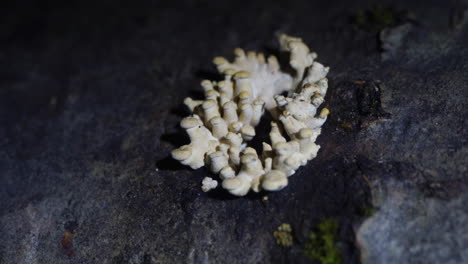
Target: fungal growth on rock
(220,126)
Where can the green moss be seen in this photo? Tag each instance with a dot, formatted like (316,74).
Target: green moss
(375,19)
(368,211)
(322,244)
(360,18)
(283,235)
(383,17)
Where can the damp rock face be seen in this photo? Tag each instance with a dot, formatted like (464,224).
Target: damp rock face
(89,111)
(406,222)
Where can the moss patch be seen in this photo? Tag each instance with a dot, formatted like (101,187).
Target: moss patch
(375,19)
(368,211)
(322,244)
(283,235)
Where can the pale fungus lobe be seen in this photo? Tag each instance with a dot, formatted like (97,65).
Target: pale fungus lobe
(208,184)
(221,125)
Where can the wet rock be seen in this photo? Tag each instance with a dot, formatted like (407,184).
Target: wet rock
(392,38)
(89,110)
(409,227)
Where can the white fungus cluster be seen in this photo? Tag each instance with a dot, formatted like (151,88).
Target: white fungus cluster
(221,125)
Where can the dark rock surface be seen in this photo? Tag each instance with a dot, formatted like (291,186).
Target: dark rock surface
(90,99)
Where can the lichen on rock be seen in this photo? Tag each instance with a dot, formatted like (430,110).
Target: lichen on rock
(221,125)
(283,235)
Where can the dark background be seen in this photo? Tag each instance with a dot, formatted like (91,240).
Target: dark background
(91,95)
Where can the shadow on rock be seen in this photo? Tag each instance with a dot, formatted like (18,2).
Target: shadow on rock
(221,194)
(169,164)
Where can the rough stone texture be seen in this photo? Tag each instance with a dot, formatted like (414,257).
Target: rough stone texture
(90,99)
(411,228)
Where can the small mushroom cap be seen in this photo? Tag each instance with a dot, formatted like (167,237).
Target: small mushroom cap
(190,122)
(234,139)
(188,100)
(324,80)
(272,59)
(248,158)
(250,150)
(241,75)
(223,147)
(216,154)
(248,131)
(206,83)
(229,72)
(274,180)
(293,44)
(211,94)
(244,95)
(300,46)
(261,57)
(230,104)
(324,113)
(182,153)
(191,104)
(222,85)
(306,133)
(236,186)
(220,60)
(258,101)
(266,146)
(251,53)
(227,172)
(273,65)
(236,126)
(231,183)
(209,104)
(216,120)
(282,147)
(239,52)
(232,136)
